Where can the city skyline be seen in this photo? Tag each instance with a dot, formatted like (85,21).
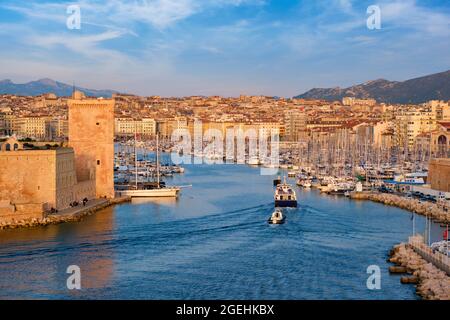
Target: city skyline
(228,48)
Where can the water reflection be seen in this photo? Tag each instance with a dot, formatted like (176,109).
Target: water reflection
(40,257)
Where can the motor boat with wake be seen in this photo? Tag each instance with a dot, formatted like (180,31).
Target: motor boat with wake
(277,217)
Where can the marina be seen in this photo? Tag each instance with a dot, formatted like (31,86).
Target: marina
(166,248)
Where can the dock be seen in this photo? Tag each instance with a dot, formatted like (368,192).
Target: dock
(68,215)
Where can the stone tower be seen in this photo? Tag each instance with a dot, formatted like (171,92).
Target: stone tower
(91,135)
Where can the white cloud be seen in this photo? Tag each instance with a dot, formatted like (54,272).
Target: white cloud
(157,13)
(408,14)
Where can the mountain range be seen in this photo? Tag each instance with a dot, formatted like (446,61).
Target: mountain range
(419,90)
(431,87)
(35,88)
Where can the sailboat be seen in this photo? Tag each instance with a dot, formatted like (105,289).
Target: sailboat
(150,190)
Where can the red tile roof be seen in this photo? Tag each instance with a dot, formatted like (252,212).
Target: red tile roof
(445,124)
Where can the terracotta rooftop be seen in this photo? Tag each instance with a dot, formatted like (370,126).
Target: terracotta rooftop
(445,124)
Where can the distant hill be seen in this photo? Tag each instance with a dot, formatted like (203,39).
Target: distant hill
(418,90)
(35,88)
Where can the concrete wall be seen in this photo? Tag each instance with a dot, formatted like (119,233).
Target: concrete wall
(439,174)
(91,135)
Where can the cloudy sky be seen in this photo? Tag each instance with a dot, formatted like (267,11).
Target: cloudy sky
(223,47)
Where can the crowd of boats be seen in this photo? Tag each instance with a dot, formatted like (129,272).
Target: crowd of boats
(141,177)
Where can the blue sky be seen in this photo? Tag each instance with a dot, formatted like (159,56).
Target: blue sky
(223,47)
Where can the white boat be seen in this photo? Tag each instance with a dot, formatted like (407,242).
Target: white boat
(285,195)
(292,174)
(254,161)
(158,191)
(277,217)
(151,193)
(304,183)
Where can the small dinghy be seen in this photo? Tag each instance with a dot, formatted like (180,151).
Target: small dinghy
(277,217)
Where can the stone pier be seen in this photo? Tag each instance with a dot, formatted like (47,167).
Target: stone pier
(68,215)
(423,208)
(432,282)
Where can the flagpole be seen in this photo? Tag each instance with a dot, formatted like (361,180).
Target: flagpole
(135,154)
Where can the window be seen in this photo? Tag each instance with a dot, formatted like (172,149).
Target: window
(98,162)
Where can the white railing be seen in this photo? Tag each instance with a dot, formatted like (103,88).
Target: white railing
(438,259)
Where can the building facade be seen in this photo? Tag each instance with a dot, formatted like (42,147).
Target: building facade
(294,124)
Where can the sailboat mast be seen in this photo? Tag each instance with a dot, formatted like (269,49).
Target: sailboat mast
(157,161)
(135,156)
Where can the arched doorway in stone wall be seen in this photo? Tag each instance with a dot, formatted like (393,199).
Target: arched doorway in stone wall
(442,147)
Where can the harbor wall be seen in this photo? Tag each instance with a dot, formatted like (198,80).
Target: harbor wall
(429,209)
(432,283)
(436,258)
(70,215)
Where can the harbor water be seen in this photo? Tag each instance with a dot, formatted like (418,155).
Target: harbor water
(214,242)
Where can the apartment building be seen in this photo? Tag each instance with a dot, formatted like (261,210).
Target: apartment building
(294,124)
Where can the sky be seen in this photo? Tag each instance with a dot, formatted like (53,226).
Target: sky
(222,47)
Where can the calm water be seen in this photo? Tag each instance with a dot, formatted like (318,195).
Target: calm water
(212,243)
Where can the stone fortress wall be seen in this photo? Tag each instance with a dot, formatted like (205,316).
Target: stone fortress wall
(34,181)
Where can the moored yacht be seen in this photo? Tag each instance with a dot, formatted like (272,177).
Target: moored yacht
(146,189)
(254,161)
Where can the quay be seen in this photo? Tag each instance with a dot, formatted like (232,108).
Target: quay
(74,214)
(427,209)
(430,270)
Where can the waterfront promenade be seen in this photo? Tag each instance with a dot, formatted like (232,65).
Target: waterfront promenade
(72,214)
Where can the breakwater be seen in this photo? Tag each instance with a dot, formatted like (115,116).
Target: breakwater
(428,209)
(69,215)
(432,283)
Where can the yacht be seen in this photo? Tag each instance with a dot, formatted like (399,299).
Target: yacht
(304,183)
(285,196)
(292,174)
(149,190)
(277,217)
(151,193)
(254,161)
